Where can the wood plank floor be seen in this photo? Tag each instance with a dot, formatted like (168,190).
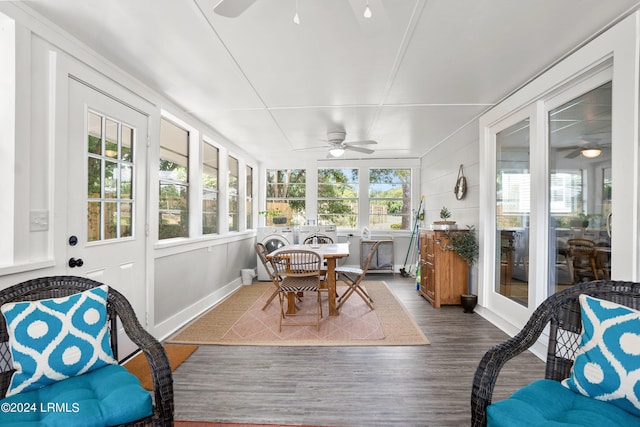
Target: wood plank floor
(352,386)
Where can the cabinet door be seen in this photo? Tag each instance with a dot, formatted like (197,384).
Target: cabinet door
(423,260)
(430,268)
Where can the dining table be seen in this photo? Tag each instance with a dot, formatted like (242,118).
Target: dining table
(330,252)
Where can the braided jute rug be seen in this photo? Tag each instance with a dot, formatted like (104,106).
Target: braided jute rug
(240,320)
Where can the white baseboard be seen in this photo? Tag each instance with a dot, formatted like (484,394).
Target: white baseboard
(166,328)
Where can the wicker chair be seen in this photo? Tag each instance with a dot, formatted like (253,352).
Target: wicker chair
(262,252)
(117,307)
(298,271)
(562,312)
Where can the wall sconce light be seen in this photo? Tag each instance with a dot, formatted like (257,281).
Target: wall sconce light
(591,153)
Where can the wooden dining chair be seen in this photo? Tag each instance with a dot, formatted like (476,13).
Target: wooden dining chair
(298,271)
(262,252)
(582,260)
(353,277)
(322,239)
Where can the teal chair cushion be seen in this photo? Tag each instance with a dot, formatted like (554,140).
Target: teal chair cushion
(548,403)
(606,366)
(104,397)
(57,338)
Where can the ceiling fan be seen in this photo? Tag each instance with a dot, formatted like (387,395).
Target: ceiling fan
(589,150)
(232,8)
(337,145)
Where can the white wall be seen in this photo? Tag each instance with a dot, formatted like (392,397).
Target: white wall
(183,277)
(439,171)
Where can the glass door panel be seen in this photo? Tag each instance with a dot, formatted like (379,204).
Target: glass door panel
(580,189)
(513,212)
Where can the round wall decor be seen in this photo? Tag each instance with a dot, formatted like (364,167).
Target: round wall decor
(461,185)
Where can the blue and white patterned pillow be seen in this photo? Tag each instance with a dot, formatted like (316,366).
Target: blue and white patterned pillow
(54,339)
(608,363)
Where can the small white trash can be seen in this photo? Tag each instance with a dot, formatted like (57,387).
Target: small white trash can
(247,275)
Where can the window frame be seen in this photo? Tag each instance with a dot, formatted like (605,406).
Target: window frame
(408,215)
(215,191)
(184,184)
(233,199)
(350,183)
(270,214)
(248,196)
(311,206)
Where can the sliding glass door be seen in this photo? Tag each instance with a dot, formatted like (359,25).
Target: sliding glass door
(580,187)
(553,195)
(558,158)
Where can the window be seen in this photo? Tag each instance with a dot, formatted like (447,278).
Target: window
(565,194)
(249,196)
(173,207)
(513,209)
(233,193)
(390,199)
(286,192)
(109,178)
(209,189)
(338,197)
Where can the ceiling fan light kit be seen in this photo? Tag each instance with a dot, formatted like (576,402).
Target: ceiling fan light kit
(336,152)
(338,146)
(591,153)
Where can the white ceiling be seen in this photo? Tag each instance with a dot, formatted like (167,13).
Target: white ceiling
(409,77)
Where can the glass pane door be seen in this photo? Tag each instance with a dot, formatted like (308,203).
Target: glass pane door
(580,189)
(513,212)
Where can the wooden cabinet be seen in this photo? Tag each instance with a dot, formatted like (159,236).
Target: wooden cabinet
(444,275)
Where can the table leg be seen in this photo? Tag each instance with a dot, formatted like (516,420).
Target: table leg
(291,303)
(331,284)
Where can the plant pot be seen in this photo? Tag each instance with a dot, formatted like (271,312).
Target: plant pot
(468,302)
(443,225)
(279,219)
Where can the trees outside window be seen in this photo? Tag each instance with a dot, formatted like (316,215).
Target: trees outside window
(173,209)
(209,189)
(390,199)
(234,186)
(286,193)
(338,197)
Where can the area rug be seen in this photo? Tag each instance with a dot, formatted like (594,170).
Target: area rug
(240,320)
(139,366)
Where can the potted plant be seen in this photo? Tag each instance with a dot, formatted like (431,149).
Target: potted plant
(465,244)
(276,216)
(445,223)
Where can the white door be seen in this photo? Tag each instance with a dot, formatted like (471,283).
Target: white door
(106,196)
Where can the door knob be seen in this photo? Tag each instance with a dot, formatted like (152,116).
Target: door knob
(75,262)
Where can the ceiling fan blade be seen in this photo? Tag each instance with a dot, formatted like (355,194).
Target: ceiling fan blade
(573,147)
(232,8)
(365,142)
(317,147)
(575,153)
(359,149)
